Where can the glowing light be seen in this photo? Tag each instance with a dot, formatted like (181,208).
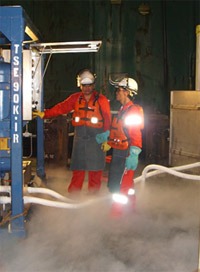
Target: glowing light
(77,119)
(131,191)
(94,120)
(134,119)
(120,198)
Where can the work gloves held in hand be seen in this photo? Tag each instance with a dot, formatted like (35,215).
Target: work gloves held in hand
(132,159)
(38,114)
(102,138)
(105,147)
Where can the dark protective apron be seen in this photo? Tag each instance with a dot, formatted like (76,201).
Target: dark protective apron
(117,168)
(87,154)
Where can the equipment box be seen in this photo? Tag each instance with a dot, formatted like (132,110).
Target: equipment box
(184,128)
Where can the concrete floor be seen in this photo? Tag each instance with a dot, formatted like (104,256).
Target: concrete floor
(161,235)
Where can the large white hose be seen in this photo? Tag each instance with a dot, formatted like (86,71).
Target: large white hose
(32,190)
(5,189)
(51,203)
(66,202)
(74,204)
(36,200)
(57,204)
(173,171)
(40,190)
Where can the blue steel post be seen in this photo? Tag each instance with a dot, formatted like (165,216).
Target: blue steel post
(40,149)
(40,135)
(17,37)
(12,26)
(13,22)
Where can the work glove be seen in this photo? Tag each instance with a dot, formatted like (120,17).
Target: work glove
(105,147)
(132,159)
(102,137)
(38,114)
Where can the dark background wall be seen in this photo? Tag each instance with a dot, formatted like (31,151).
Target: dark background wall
(157,49)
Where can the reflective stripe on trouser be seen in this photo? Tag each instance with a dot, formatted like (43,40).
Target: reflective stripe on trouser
(117,169)
(94,180)
(127,181)
(117,209)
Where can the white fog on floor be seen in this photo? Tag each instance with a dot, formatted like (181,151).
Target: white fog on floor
(160,235)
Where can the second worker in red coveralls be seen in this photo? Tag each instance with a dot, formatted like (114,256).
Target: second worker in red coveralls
(126,140)
(91,119)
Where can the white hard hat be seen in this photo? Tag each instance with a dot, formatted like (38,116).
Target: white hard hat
(85,77)
(129,84)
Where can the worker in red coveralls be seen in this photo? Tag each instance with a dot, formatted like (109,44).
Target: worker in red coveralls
(126,140)
(91,119)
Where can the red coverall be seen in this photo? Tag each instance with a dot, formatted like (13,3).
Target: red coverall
(87,154)
(120,179)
